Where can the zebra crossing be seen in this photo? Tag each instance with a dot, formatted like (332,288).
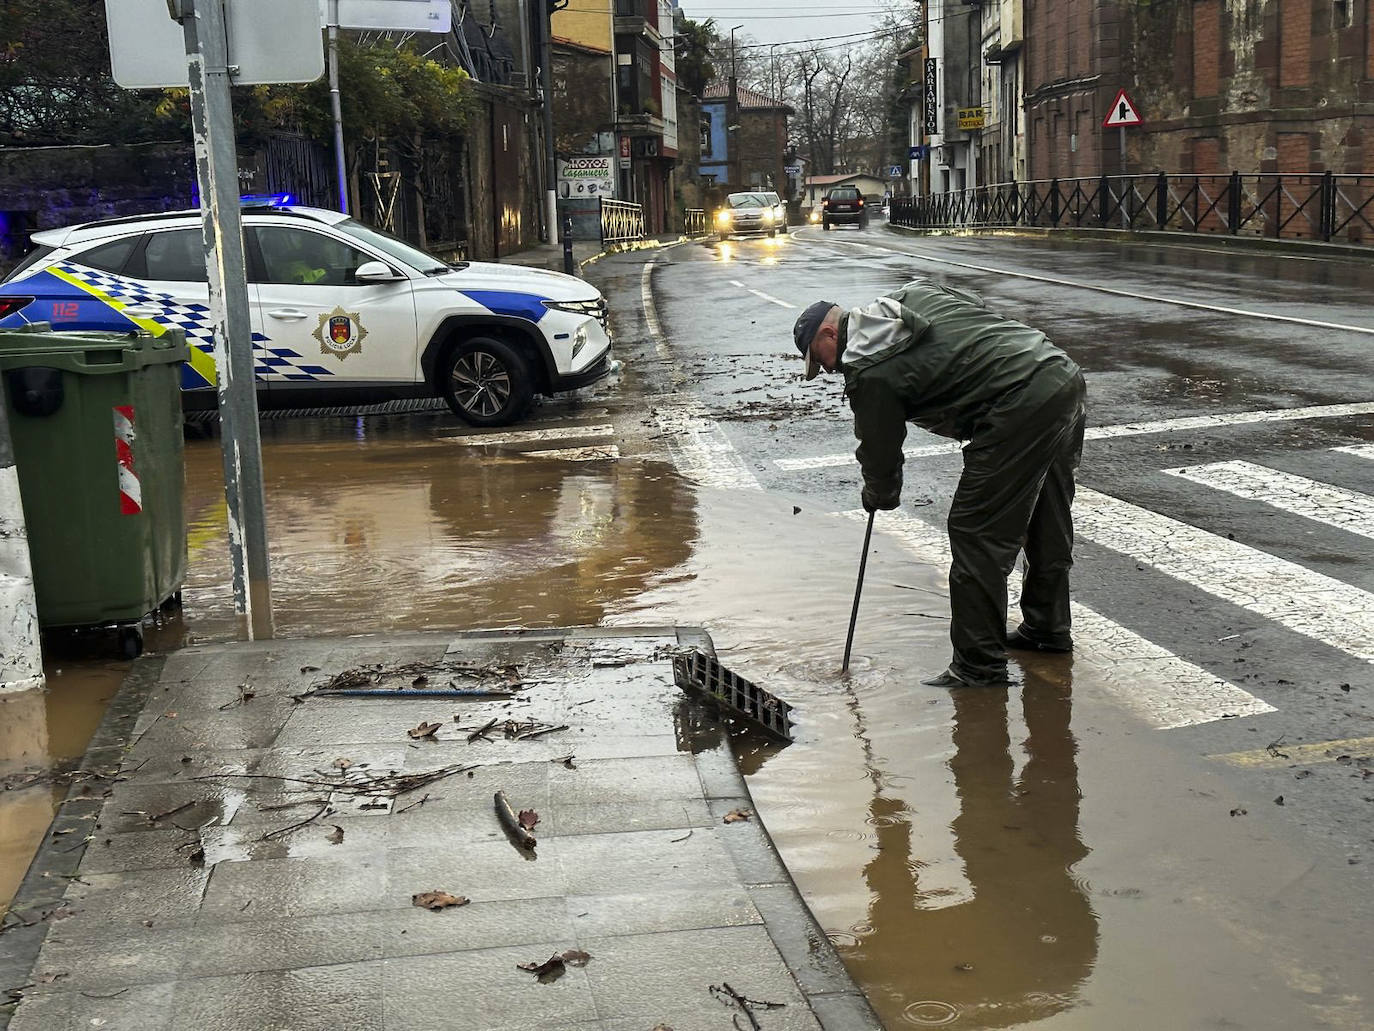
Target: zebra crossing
(1163,688)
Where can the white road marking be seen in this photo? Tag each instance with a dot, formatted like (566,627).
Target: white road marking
(1306,602)
(1160,688)
(1358,450)
(1127,429)
(736,282)
(646,302)
(593,453)
(532,436)
(1321,502)
(1131,294)
(770,297)
(701,450)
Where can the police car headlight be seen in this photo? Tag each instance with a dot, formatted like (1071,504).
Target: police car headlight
(579,341)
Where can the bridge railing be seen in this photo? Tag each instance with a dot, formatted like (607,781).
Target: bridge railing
(1314,206)
(694,222)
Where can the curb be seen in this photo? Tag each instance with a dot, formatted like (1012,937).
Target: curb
(1257,244)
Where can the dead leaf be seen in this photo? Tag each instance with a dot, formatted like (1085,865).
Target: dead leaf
(49,978)
(576,958)
(528,818)
(738,815)
(423,730)
(310,669)
(342,764)
(197,857)
(551,968)
(437,900)
(337,837)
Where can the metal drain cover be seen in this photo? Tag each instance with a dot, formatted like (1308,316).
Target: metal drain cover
(701,674)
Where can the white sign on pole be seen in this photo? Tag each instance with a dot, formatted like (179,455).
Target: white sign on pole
(1122,113)
(392,15)
(269,41)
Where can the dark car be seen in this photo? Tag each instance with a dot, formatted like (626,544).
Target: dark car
(844,205)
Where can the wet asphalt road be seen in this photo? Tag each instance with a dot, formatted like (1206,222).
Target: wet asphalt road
(1254,577)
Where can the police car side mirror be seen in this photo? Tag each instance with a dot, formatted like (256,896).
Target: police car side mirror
(376,272)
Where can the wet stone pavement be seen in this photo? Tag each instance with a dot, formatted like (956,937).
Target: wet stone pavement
(245,850)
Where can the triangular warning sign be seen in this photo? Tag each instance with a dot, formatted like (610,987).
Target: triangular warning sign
(1122,112)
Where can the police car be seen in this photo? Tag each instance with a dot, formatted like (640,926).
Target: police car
(340,311)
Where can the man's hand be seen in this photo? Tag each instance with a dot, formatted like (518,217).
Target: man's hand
(872,504)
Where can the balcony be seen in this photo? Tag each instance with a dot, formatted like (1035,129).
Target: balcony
(631,18)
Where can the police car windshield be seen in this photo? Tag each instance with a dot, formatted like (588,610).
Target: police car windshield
(396,248)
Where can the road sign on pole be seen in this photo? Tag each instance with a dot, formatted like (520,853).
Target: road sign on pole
(219,44)
(1122,113)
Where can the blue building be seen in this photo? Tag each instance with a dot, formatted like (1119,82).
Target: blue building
(751,155)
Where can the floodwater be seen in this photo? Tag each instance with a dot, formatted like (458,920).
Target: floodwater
(980,859)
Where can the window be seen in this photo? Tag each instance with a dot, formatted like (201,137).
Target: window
(705,134)
(108,257)
(299,257)
(176,256)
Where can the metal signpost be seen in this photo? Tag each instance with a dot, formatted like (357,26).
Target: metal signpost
(245,41)
(1121,114)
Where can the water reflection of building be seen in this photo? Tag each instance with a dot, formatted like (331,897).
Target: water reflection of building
(414,531)
(1021,946)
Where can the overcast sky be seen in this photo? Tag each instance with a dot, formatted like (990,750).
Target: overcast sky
(782,21)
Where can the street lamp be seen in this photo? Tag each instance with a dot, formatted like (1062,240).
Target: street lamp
(732,111)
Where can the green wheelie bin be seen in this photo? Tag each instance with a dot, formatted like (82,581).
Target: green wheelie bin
(96,422)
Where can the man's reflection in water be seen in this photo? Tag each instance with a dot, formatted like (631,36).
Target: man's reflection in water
(1019,949)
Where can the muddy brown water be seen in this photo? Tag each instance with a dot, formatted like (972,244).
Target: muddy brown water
(980,860)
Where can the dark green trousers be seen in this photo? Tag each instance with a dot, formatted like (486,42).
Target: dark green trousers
(1015,494)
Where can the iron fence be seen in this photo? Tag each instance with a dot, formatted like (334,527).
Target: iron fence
(694,222)
(621,221)
(1316,206)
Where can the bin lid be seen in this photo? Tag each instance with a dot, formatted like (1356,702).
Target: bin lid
(90,352)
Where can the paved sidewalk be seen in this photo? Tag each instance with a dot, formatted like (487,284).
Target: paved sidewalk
(173,892)
(550,256)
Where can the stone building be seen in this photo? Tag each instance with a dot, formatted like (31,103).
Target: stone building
(1268,86)
(751,155)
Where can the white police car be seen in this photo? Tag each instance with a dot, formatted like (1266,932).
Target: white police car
(340,311)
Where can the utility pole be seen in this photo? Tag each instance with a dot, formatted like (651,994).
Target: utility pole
(212,132)
(732,114)
(544,20)
(21,660)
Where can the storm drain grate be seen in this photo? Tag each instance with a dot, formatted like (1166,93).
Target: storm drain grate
(700,673)
(404,406)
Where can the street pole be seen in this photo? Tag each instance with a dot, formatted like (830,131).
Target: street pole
(334,102)
(1125,218)
(21,658)
(212,131)
(732,114)
(545,17)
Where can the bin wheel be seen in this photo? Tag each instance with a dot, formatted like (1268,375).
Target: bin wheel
(130,641)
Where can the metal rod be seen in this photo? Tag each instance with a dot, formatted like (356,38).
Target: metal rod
(341,169)
(858,589)
(212,132)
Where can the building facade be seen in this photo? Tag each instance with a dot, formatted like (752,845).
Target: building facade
(749,153)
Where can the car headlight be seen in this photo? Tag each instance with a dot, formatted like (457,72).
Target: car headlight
(723,218)
(815,216)
(767,216)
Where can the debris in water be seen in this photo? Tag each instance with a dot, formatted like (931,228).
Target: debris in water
(738,815)
(549,970)
(1279,800)
(423,730)
(528,818)
(1239,812)
(336,837)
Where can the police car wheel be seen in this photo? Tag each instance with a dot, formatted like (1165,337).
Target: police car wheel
(486,382)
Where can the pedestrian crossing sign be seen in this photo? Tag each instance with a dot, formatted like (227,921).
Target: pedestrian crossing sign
(1122,113)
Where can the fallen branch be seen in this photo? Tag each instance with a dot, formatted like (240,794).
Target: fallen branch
(508,819)
(296,826)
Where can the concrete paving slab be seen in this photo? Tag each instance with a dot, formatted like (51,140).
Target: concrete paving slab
(285,923)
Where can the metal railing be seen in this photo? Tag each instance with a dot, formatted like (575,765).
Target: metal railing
(621,221)
(694,222)
(1316,206)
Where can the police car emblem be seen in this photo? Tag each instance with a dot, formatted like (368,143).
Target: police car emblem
(340,333)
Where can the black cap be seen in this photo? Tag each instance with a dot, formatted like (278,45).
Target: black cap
(805,329)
